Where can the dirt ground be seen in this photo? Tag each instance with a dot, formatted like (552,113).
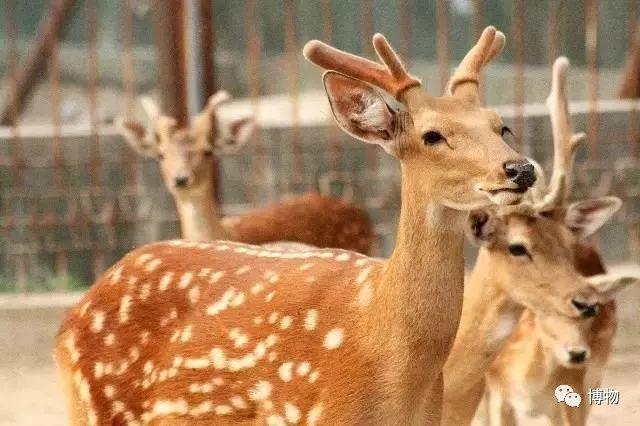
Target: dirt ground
(29,393)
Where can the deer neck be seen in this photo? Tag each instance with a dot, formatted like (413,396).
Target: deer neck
(419,296)
(199,218)
(489,317)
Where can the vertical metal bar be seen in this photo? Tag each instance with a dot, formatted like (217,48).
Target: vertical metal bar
(633,139)
(16,142)
(293,72)
(327,35)
(554,30)
(444,60)
(372,154)
(57,151)
(591,44)
(193,57)
(254,57)
(168,16)
(517,30)
(207,47)
(128,82)
(91,21)
(406,28)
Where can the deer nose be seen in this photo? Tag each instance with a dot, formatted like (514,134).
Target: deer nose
(577,356)
(181,181)
(520,172)
(586,309)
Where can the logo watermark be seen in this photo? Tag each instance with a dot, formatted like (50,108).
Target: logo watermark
(597,396)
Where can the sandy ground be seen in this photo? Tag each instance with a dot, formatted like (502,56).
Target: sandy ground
(29,393)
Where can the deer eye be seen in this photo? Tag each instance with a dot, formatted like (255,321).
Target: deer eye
(518,250)
(432,137)
(207,153)
(505,131)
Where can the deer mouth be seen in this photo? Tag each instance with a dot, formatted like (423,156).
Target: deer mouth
(519,190)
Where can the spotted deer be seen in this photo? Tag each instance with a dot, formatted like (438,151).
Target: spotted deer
(187,162)
(526,259)
(185,332)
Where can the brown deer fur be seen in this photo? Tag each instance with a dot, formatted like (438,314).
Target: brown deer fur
(187,332)
(186,154)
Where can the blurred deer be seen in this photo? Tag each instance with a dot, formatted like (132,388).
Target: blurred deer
(182,332)
(186,158)
(526,259)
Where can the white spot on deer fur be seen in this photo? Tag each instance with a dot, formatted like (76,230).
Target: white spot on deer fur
(364,295)
(311,320)
(109,391)
(144,337)
(261,391)
(204,272)
(148,367)
(177,361)
(196,363)
(222,303)
(109,339)
(243,270)
(285,322)
(313,416)
(239,338)
(218,358)
(98,369)
(185,280)
(257,320)
(291,413)
(276,420)
(202,408)
(310,279)
(313,377)
(303,368)
(153,265)
(134,354)
(142,259)
(222,247)
(97,322)
(201,387)
(165,281)
(194,294)
(122,367)
(83,309)
(165,407)
(305,266)
(218,381)
(117,407)
(186,334)
(273,317)
(272,356)
(343,257)
(285,371)
(223,410)
(256,288)
(238,402)
(269,297)
(125,305)
(363,275)
(70,344)
(238,299)
(267,405)
(361,262)
(116,274)
(334,338)
(215,277)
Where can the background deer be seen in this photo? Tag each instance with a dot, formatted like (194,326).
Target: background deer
(186,161)
(526,259)
(178,332)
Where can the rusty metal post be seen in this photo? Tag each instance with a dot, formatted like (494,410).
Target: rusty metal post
(169,30)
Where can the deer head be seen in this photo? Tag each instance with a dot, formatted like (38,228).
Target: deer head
(530,249)
(186,154)
(568,339)
(450,147)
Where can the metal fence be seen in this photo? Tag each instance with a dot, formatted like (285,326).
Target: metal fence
(74,198)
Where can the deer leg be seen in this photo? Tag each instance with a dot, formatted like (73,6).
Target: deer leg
(76,409)
(501,412)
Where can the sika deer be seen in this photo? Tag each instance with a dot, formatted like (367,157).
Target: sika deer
(186,160)
(526,259)
(179,332)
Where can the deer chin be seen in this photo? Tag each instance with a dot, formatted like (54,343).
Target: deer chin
(504,196)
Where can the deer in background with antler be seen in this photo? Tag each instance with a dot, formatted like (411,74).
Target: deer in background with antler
(180,332)
(187,164)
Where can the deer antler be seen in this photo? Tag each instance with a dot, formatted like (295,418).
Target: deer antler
(465,80)
(565,142)
(391,77)
(161,122)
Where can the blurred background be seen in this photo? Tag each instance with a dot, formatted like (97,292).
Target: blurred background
(74,197)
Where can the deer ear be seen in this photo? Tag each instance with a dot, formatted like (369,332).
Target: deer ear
(137,137)
(586,217)
(481,227)
(234,135)
(360,110)
(608,286)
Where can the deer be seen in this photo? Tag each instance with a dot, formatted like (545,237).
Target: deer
(186,159)
(527,259)
(221,332)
